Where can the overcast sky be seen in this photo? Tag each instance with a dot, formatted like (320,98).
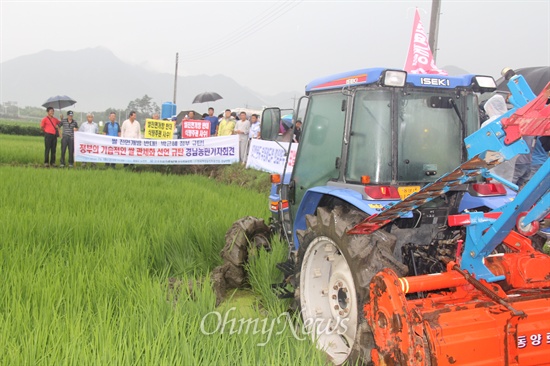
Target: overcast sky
(274,46)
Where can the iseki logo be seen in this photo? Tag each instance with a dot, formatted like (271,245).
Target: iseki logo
(435,81)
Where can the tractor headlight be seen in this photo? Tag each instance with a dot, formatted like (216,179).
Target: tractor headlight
(394,78)
(484,84)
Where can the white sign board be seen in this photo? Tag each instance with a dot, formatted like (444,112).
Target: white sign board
(270,156)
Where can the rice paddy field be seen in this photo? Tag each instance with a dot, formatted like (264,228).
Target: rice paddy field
(87,258)
(23,150)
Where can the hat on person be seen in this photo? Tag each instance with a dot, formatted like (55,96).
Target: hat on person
(70,113)
(174,118)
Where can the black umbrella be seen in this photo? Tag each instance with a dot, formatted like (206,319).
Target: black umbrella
(59,102)
(207,97)
(536,77)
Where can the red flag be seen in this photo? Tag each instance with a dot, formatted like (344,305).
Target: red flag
(420,59)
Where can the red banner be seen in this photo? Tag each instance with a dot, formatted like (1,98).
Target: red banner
(192,129)
(420,59)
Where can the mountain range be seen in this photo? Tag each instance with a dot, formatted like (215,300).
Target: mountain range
(98,80)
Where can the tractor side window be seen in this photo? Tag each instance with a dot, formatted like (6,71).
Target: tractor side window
(472,114)
(370,138)
(321,142)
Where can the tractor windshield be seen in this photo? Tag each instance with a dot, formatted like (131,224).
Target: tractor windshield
(416,141)
(429,135)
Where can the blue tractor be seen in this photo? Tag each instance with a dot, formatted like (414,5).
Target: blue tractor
(371,138)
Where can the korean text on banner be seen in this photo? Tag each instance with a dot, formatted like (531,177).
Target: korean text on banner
(160,130)
(191,129)
(270,156)
(420,59)
(108,149)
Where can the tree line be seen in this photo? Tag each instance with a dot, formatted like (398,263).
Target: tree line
(144,108)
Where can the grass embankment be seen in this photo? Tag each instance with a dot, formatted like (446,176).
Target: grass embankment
(85,262)
(21,122)
(29,151)
(20,127)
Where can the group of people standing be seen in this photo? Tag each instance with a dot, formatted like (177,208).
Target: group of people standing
(226,124)
(54,128)
(231,123)
(245,129)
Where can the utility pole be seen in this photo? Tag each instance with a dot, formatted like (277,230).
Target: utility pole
(294,102)
(176,79)
(434,26)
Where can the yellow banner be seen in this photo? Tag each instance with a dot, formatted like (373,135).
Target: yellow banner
(160,130)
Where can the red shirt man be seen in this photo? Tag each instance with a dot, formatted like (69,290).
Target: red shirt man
(50,125)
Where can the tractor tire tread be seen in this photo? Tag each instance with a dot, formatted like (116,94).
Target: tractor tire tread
(366,255)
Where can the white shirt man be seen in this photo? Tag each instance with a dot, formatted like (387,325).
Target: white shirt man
(242,128)
(89,126)
(255,128)
(131,128)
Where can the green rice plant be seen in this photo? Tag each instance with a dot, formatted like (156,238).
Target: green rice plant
(262,273)
(86,257)
(22,149)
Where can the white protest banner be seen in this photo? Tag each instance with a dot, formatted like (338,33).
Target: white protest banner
(270,156)
(94,148)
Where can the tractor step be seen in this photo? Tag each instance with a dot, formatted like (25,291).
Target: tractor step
(281,289)
(286,267)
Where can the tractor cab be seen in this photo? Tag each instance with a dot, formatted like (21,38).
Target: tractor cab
(375,135)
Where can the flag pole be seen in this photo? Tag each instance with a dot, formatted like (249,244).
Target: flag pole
(176,78)
(434,27)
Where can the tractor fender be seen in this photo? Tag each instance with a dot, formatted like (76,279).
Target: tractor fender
(313,196)
(469,202)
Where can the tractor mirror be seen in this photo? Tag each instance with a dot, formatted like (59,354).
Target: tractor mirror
(271,118)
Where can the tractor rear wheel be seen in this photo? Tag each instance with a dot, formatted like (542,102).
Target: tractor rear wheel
(333,273)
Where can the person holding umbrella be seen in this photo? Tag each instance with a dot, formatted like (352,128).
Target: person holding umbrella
(67,139)
(50,126)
